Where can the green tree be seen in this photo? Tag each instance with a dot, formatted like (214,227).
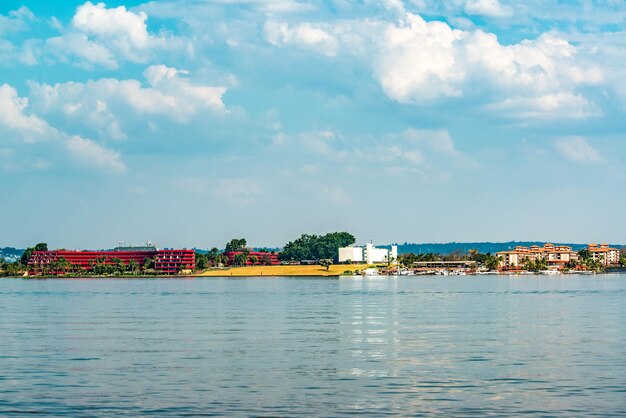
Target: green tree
(133,267)
(148,264)
(266,260)
(479,257)
(62,266)
(98,266)
(237,244)
(584,254)
(241,259)
(326,263)
(202,261)
(254,260)
(594,265)
(13,269)
(536,265)
(42,246)
(541,264)
(492,262)
(117,266)
(407,260)
(214,257)
(26,256)
(314,247)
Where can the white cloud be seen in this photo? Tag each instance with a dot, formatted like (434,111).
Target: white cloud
(117,25)
(13,117)
(105,104)
(438,140)
(423,152)
(491,8)
(194,96)
(304,35)
(325,144)
(578,150)
(420,62)
(77,45)
(93,154)
(205,10)
(16,20)
(31,128)
(428,61)
(551,106)
(101,36)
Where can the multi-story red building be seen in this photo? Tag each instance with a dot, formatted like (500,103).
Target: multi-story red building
(165,261)
(174,261)
(262,258)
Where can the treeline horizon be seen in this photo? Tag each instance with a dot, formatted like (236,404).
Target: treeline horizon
(403,248)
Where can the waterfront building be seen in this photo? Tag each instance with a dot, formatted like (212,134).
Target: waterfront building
(165,261)
(262,257)
(604,254)
(351,254)
(368,254)
(555,255)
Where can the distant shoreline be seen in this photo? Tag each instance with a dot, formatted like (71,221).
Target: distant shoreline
(223,275)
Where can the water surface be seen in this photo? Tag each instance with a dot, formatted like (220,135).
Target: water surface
(313,346)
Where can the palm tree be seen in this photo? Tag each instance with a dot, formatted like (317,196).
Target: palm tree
(492,262)
(535,265)
(133,267)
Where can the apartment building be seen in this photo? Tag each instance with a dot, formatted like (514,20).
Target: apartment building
(556,256)
(606,255)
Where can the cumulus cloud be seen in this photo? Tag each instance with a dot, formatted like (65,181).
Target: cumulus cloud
(101,36)
(16,20)
(118,25)
(77,48)
(427,61)
(491,8)
(578,150)
(104,104)
(31,128)
(305,35)
(424,62)
(13,117)
(93,154)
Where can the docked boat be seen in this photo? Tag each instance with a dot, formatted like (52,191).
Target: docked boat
(550,272)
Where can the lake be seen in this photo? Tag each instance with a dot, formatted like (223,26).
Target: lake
(449,346)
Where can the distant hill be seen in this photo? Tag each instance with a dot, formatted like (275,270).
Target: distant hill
(11,254)
(482,247)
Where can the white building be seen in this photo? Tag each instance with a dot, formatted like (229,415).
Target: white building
(368,254)
(353,254)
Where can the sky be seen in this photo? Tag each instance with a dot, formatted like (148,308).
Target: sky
(192,122)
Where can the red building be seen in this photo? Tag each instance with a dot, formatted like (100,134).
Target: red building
(165,261)
(263,258)
(173,261)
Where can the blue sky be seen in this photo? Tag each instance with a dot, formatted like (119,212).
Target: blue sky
(192,122)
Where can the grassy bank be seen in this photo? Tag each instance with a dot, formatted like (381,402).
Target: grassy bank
(334,270)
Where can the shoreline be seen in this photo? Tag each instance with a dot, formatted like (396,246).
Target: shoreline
(327,275)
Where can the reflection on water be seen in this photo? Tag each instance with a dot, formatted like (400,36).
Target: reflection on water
(272,346)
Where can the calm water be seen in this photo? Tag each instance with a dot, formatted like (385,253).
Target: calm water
(285,347)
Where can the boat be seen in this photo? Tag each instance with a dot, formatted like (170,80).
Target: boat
(550,272)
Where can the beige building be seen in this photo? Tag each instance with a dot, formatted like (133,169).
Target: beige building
(604,254)
(556,256)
